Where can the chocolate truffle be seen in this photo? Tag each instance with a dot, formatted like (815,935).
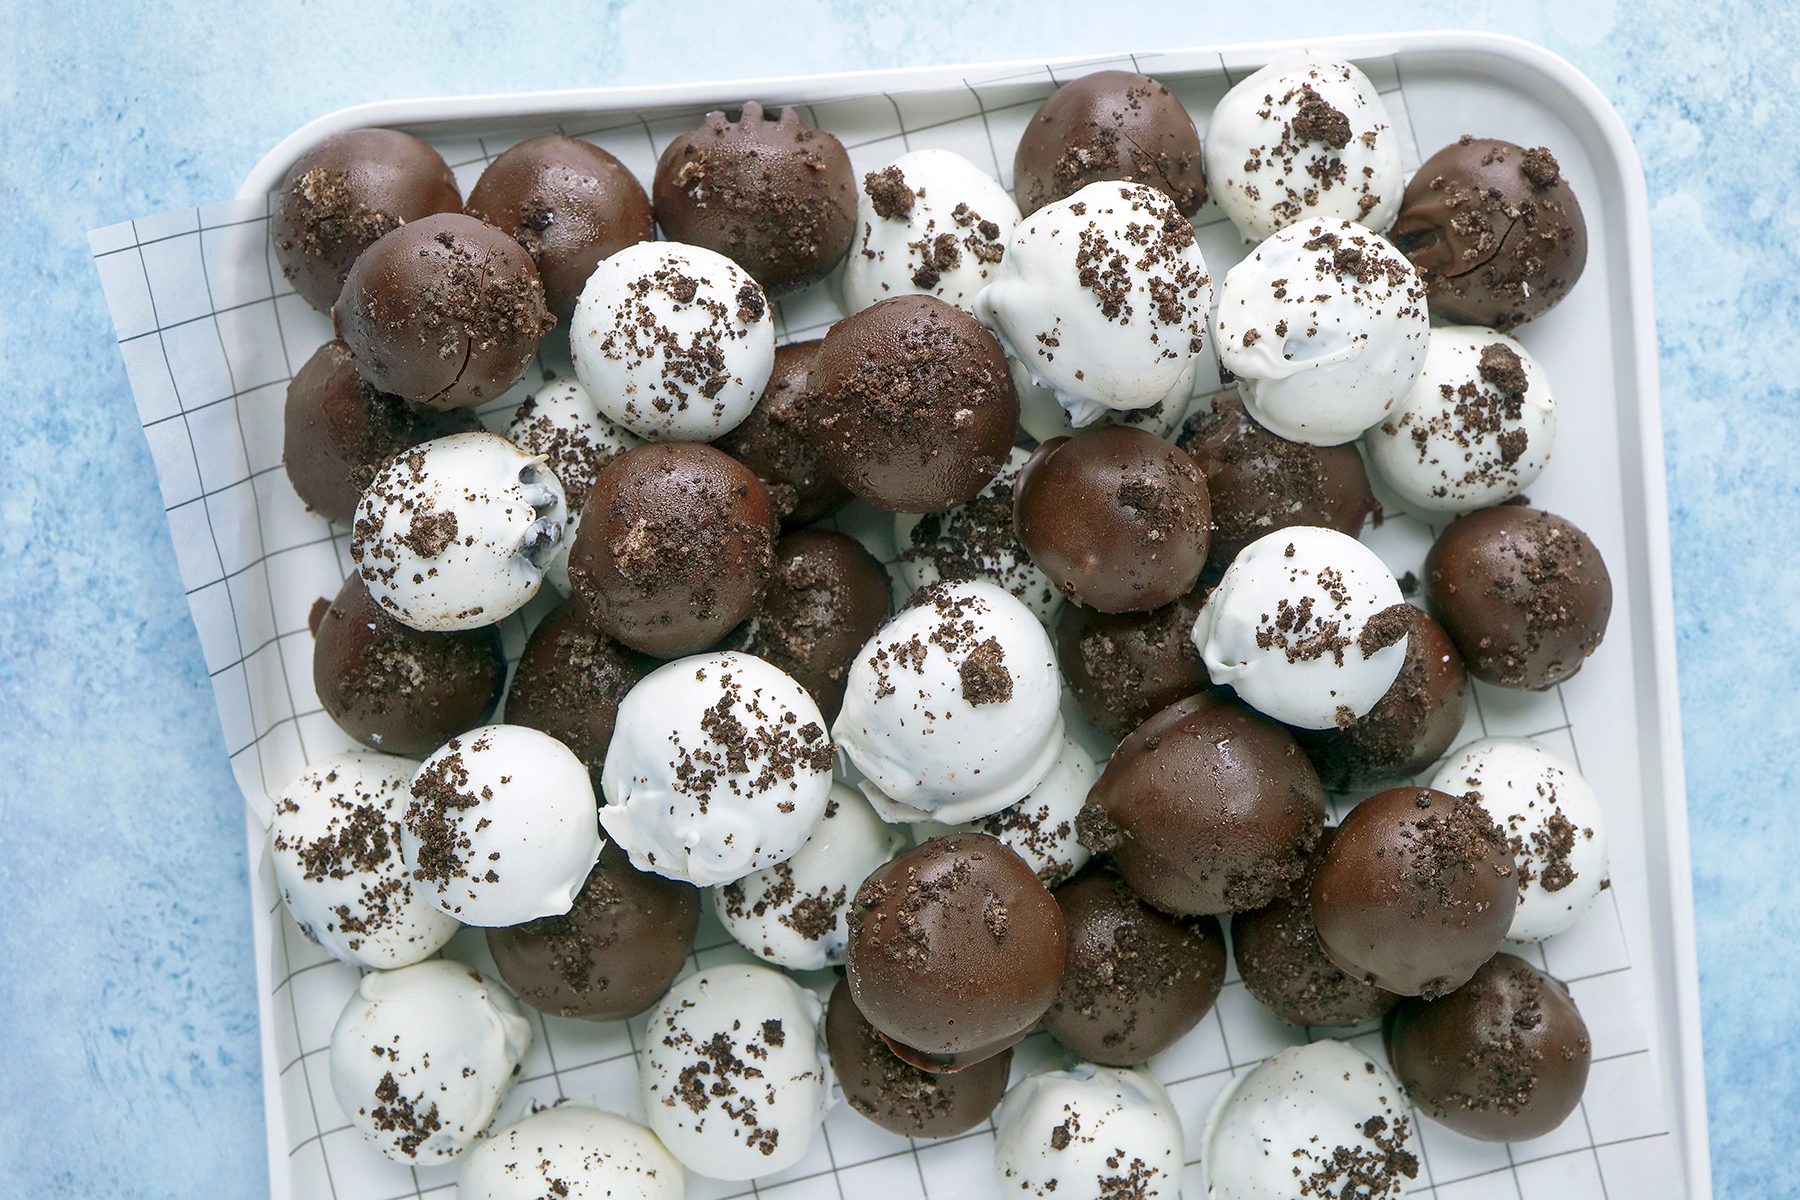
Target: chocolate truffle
(1135,980)
(898,1096)
(339,431)
(569,203)
(1109,125)
(674,549)
(570,680)
(766,190)
(1259,482)
(827,596)
(1415,891)
(1278,956)
(399,689)
(1494,231)
(910,403)
(346,192)
(445,312)
(1524,595)
(1503,1058)
(1409,728)
(1206,808)
(956,951)
(769,442)
(1124,668)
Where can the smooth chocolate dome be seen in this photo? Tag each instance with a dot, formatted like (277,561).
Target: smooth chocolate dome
(1124,668)
(1109,125)
(769,442)
(570,680)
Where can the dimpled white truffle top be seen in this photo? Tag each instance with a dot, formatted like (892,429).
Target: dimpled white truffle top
(1089,1132)
(335,846)
(1325,327)
(1103,297)
(502,826)
(931,223)
(1553,820)
(453,534)
(1307,626)
(1041,828)
(570,1152)
(1318,1120)
(561,424)
(1303,138)
(421,1056)
(674,342)
(951,710)
(719,766)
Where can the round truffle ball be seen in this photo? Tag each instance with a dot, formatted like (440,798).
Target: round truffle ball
(1416,891)
(1124,668)
(445,312)
(569,203)
(933,224)
(1117,518)
(1494,230)
(570,680)
(956,951)
(1206,808)
(767,190)
(769,442)
(1089,1131)
(345,193)
(1109,125)
(675,547)
(571,1152)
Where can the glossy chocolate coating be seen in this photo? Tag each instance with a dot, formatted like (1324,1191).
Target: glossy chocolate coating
(674,549)
(569,204)
(1503,1058)
(570,680)
(1415,892)
(1523,593)
(1124,668)
(346,192)
(613,954)
(1109,125)
(769,442)
(445,312)
(1206,808)
(956,951)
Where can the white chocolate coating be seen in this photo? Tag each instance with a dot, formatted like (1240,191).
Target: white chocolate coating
(1042,417)
(571,1152)
(1040,828)
(1088,1132)
(561,424)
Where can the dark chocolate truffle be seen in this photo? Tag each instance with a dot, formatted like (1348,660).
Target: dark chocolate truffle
(1135,979)
(674,549)
(338,431)
(910,404)
(956,951)
(444,311)
(610,956)
(570,680)
(1109,125)
(1523,593)
(1259,482)
(1415,891)
(766,190)
(1124,668)
(898,1096)
(769,442)
(569,203)
(399,689)
(1117,517)
(345,193)
(1495,232)
(1503,1058)
(1206,808)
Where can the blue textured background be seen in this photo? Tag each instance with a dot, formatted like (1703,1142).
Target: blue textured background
(128,1041)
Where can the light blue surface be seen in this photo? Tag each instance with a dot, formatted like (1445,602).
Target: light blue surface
(128,1042)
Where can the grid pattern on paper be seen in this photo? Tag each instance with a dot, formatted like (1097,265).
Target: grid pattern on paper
(210,334)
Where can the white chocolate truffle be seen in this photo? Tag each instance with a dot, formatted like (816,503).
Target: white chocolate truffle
(735,1080)
(1042,417)
(951,711)
(1299,139)
(1552,819)
(1040,828)
(930,223)
(1325,327)
(421,1057)
(1307,626)
(561,424)
(1088,1132)
(674,342)
(719,766)
(1325,1114)
(570,1152)
(455,533)
(335,846)
(1475,428)
(503,826)
(1103,297)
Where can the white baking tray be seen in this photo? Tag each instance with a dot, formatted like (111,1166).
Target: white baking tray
(210,334)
